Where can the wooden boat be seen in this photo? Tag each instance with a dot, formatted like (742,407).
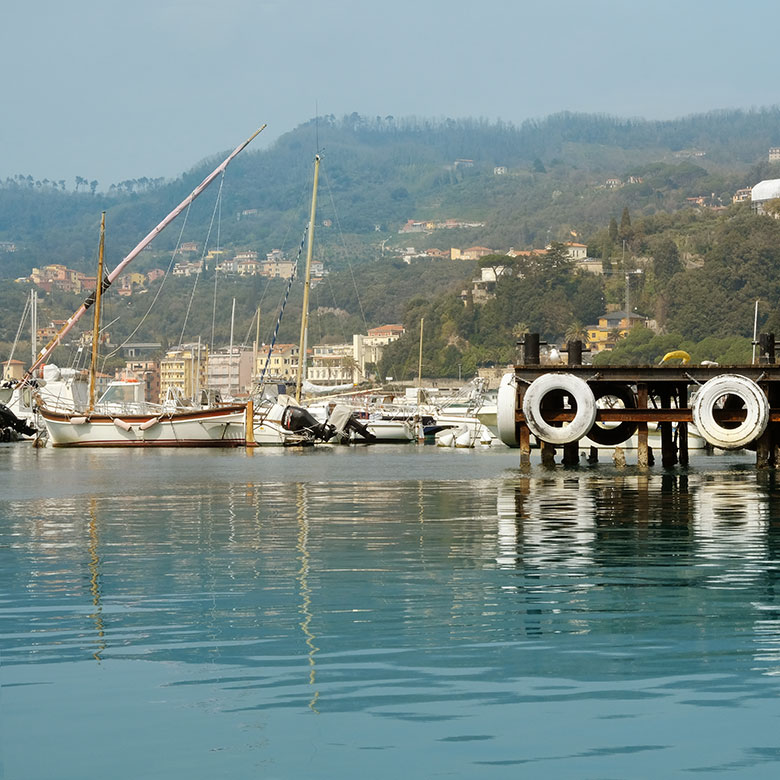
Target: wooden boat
(210,427)
(102,424)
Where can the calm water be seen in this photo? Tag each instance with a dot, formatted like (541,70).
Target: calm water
(385,612)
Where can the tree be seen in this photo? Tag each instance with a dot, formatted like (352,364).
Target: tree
(625,232)
(666,258)
(772,207)
(500,264)
(576,332)
(613,230)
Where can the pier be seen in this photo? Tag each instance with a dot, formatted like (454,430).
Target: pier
(564,405)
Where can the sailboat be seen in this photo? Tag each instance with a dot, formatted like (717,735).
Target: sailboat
(282,420)
(133,423)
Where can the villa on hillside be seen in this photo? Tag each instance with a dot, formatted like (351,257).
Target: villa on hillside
(612,326)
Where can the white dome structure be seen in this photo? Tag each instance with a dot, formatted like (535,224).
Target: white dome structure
(769,189)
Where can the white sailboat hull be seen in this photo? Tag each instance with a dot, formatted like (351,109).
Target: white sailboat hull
(214,427)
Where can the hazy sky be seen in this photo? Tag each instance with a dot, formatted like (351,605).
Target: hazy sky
(114,90)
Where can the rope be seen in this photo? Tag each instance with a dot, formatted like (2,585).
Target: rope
(346,251)
(281,311)
(27,305)
(159,290)
(214,302)
(202,257)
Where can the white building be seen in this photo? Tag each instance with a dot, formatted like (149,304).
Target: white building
(368,348)
(332,364)
(766,190)
(230,372)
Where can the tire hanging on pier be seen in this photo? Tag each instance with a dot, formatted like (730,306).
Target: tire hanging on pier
(722,391)
(612,436)
(506,407)
(546,393)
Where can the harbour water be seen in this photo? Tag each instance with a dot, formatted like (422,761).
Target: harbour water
(385,612)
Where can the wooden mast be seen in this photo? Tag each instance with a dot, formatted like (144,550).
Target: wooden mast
(96,318)
(419,363)
(307,284)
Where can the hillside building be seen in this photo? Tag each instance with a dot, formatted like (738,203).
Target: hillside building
(611,327)
(764,191)
(368,348)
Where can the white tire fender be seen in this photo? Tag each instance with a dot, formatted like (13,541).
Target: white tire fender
(573,386)
(506,409)
(755,402)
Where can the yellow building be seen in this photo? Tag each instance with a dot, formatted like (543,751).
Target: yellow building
(283,363)
(184,370)
(612,326)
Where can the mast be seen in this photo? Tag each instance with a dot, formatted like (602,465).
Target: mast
(230,351)
(256,344)
(42,355)
(419,363)
(96,319)
(34,322)
(307,283)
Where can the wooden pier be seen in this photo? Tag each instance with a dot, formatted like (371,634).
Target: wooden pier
(742,399)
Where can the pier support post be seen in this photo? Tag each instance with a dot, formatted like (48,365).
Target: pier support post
(571,451)
(548,454)
(682,427)
(249,424)
(768,443)
(524,438)
(530,344)
(642,450)
(668,449)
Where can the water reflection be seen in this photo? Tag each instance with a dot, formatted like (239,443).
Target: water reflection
(94,580)
(432,608)
(296,576)
(699,533)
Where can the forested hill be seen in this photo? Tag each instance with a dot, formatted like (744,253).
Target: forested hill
(697,271)
(380,172)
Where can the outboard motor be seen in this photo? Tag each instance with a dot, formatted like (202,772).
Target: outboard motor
(344,422)
(299,420)
(9,421)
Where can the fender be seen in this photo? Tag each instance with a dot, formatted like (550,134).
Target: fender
(754,400)
(506,408)
(613,436)
(560,384)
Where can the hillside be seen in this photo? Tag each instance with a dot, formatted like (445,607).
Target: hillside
(382,172)
(519,187)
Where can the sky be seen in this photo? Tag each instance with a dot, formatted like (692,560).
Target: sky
(112,90)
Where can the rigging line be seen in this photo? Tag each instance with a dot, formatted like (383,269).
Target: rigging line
(159,289)
(27,305)
(214,303)
(284,303)
(336,306)
(202,258)
(346,252)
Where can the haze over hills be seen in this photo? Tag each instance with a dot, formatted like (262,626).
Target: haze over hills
(381,172)
(515,186)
